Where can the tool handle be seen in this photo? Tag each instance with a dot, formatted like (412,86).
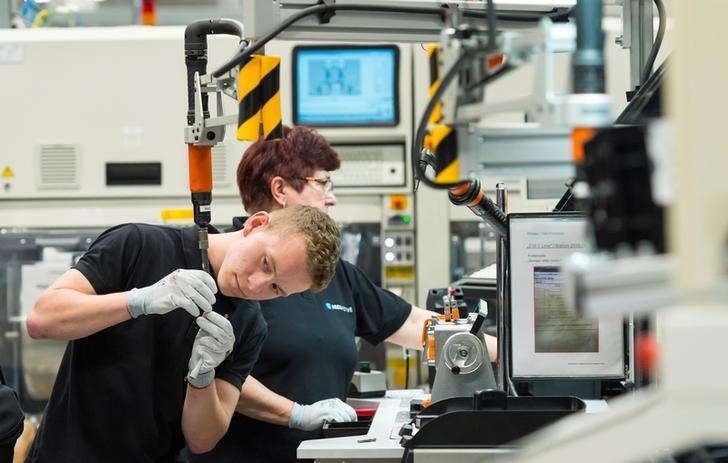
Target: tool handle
(471,195)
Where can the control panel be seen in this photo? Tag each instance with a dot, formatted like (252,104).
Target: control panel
(370,165)
(398,250)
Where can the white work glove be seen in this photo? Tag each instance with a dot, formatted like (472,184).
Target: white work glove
(193,290)
(212,344)
(310,417)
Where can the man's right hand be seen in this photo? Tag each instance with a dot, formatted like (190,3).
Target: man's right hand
(193,290)
(310,417)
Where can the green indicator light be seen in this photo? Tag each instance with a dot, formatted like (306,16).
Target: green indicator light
(406,219)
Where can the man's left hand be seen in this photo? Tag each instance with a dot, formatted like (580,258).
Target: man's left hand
(213,343)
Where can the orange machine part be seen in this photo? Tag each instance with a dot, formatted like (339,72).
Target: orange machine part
(200,165)
(579,136)
(646,350)
(462,189)
(148,15)
(495,62)
(424,330)
(431,348)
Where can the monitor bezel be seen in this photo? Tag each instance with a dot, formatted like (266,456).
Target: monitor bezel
(294,84)
(522,377)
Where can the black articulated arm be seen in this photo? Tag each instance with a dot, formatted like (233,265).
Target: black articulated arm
(196,55)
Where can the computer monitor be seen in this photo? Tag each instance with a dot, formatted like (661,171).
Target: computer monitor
(549,340)
(346,85)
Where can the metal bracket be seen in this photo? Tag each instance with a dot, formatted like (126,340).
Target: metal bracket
(227,83)
(210,131)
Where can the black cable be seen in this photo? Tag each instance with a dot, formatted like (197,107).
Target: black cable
(492,26)
(489,77)
(658,42)
(422,127)
(405,455)
(406,367)
(555,15)
(238,58)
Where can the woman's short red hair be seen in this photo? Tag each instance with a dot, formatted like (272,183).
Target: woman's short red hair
(300,153)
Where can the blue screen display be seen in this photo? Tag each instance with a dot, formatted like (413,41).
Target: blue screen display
(345,86)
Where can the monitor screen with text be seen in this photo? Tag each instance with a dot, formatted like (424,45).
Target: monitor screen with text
(548,339)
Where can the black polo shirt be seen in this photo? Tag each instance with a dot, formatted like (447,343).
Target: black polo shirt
(310,355)
(119,393)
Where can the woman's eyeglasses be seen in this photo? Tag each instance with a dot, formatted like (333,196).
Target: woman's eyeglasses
(326,184)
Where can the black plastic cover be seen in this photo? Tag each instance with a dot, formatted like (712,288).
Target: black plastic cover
(133,173)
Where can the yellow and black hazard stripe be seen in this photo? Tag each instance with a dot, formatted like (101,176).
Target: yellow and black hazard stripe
(444,144)
(249,100)
(259,99)
(433,54)
(271,97)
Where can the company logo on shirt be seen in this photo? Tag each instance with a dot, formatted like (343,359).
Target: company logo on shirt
(342,308)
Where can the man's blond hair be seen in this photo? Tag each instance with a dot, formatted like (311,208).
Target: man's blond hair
(321,236)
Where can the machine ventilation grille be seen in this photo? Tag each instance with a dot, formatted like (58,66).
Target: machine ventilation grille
(58,166)
(220,170)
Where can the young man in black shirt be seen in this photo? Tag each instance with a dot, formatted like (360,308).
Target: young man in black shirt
(120,394)
(305,367)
